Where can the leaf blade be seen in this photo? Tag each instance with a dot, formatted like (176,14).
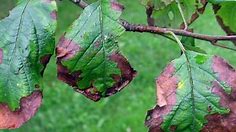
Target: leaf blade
(181,107)
(87,56)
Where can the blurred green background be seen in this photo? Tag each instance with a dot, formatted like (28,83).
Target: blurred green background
(63,110)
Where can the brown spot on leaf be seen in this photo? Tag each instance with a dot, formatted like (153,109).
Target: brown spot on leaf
(28,107)
(1,56)
(127,75)
(67,49)
(166,94)
(227,122)
(117,6)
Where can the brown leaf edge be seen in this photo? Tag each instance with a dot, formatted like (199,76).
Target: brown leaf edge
(166,87)
(28,107)
(199,10)
(216,8)
(67,49)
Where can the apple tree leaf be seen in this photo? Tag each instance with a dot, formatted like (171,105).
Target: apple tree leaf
(88,56)
(26,44)
(194,96)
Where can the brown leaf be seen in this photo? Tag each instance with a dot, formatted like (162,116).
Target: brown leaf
(28,107)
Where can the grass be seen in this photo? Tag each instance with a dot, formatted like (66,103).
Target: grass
(63,110)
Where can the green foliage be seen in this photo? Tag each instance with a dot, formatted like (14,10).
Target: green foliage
(86,61)
(26,41)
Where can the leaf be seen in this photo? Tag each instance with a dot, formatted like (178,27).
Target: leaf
(194,97)
(170,16)
(26,44)
(226,16)
(88,54)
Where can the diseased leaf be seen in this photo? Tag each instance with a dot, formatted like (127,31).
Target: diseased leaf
(194,98)
(226,16)
(26,44)
(88,54)
(170,16)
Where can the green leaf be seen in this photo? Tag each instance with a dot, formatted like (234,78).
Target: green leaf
(26,44)
(170,16)
(226,16)
(88,54)
(194,93)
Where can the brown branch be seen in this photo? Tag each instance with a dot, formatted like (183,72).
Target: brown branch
(163,31)
(158,30)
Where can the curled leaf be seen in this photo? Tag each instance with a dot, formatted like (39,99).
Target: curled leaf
(88,56)
(200,100)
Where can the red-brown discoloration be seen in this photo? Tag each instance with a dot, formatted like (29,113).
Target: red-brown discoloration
(217,122)
(166,94)
(28,108)
(67,49)
(166,87)
(53,15)
(127,75)
(1,56)
(117,6)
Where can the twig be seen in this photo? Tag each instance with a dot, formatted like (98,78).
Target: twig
(179,32)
